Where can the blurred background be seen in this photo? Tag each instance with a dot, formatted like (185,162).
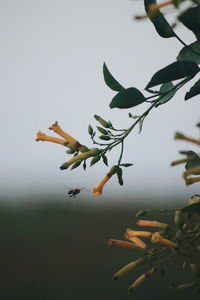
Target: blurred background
(52,53)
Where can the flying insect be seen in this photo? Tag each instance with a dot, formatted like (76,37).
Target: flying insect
(74,192)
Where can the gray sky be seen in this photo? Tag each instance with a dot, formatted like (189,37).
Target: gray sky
(51,59)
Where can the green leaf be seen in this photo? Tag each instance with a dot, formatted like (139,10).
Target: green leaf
(102,130)
(174,71)
(110,80)
(141,125)
(170,92)
(193,160)
(191,19)
(187,52)
(105,160)
(119,175)
(162,27)
(192,208)
(195,90)
(127,98)
(84,165)
(95,159)
(90,130)
(104,137)
(126,165)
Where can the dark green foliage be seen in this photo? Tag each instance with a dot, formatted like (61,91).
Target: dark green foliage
(105,160)
(191,19)
(119,175)
(174,71)
(105,137)
(161,25)
(167,92)
(190,52)
(127,98)
(192,208)
(126,165)
(90,130)
(193,160)
(110,80)
(102,130)
(195,90)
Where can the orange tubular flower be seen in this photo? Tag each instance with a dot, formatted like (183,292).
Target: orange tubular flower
(98,189)
(68,138)
(132,233)
(40,136)
(112,242)
(151,224)
(157,238)
(138,242)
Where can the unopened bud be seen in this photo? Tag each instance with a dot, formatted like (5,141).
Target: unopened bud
(102,121)
(129,267)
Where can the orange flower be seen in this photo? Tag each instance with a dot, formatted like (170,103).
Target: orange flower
(151,224)
(157,238)
(138,242)
(40,136)
(98,189)
(68,138)
(132,233)
(121,243)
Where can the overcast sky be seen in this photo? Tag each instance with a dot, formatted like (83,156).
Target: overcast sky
(51,59)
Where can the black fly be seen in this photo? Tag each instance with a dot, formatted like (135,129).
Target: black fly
(74,192)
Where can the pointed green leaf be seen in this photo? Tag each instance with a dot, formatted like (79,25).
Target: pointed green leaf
(90,130)
(126,165)
(102,130)
(193,160)
(84,165)
(167,92)
(187,52)
(127,98)
(104,137)
(110,80)
(105,160)
(195,90)
(191,19)
(161,25)
(119,175)
(174,71)
(140,125)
